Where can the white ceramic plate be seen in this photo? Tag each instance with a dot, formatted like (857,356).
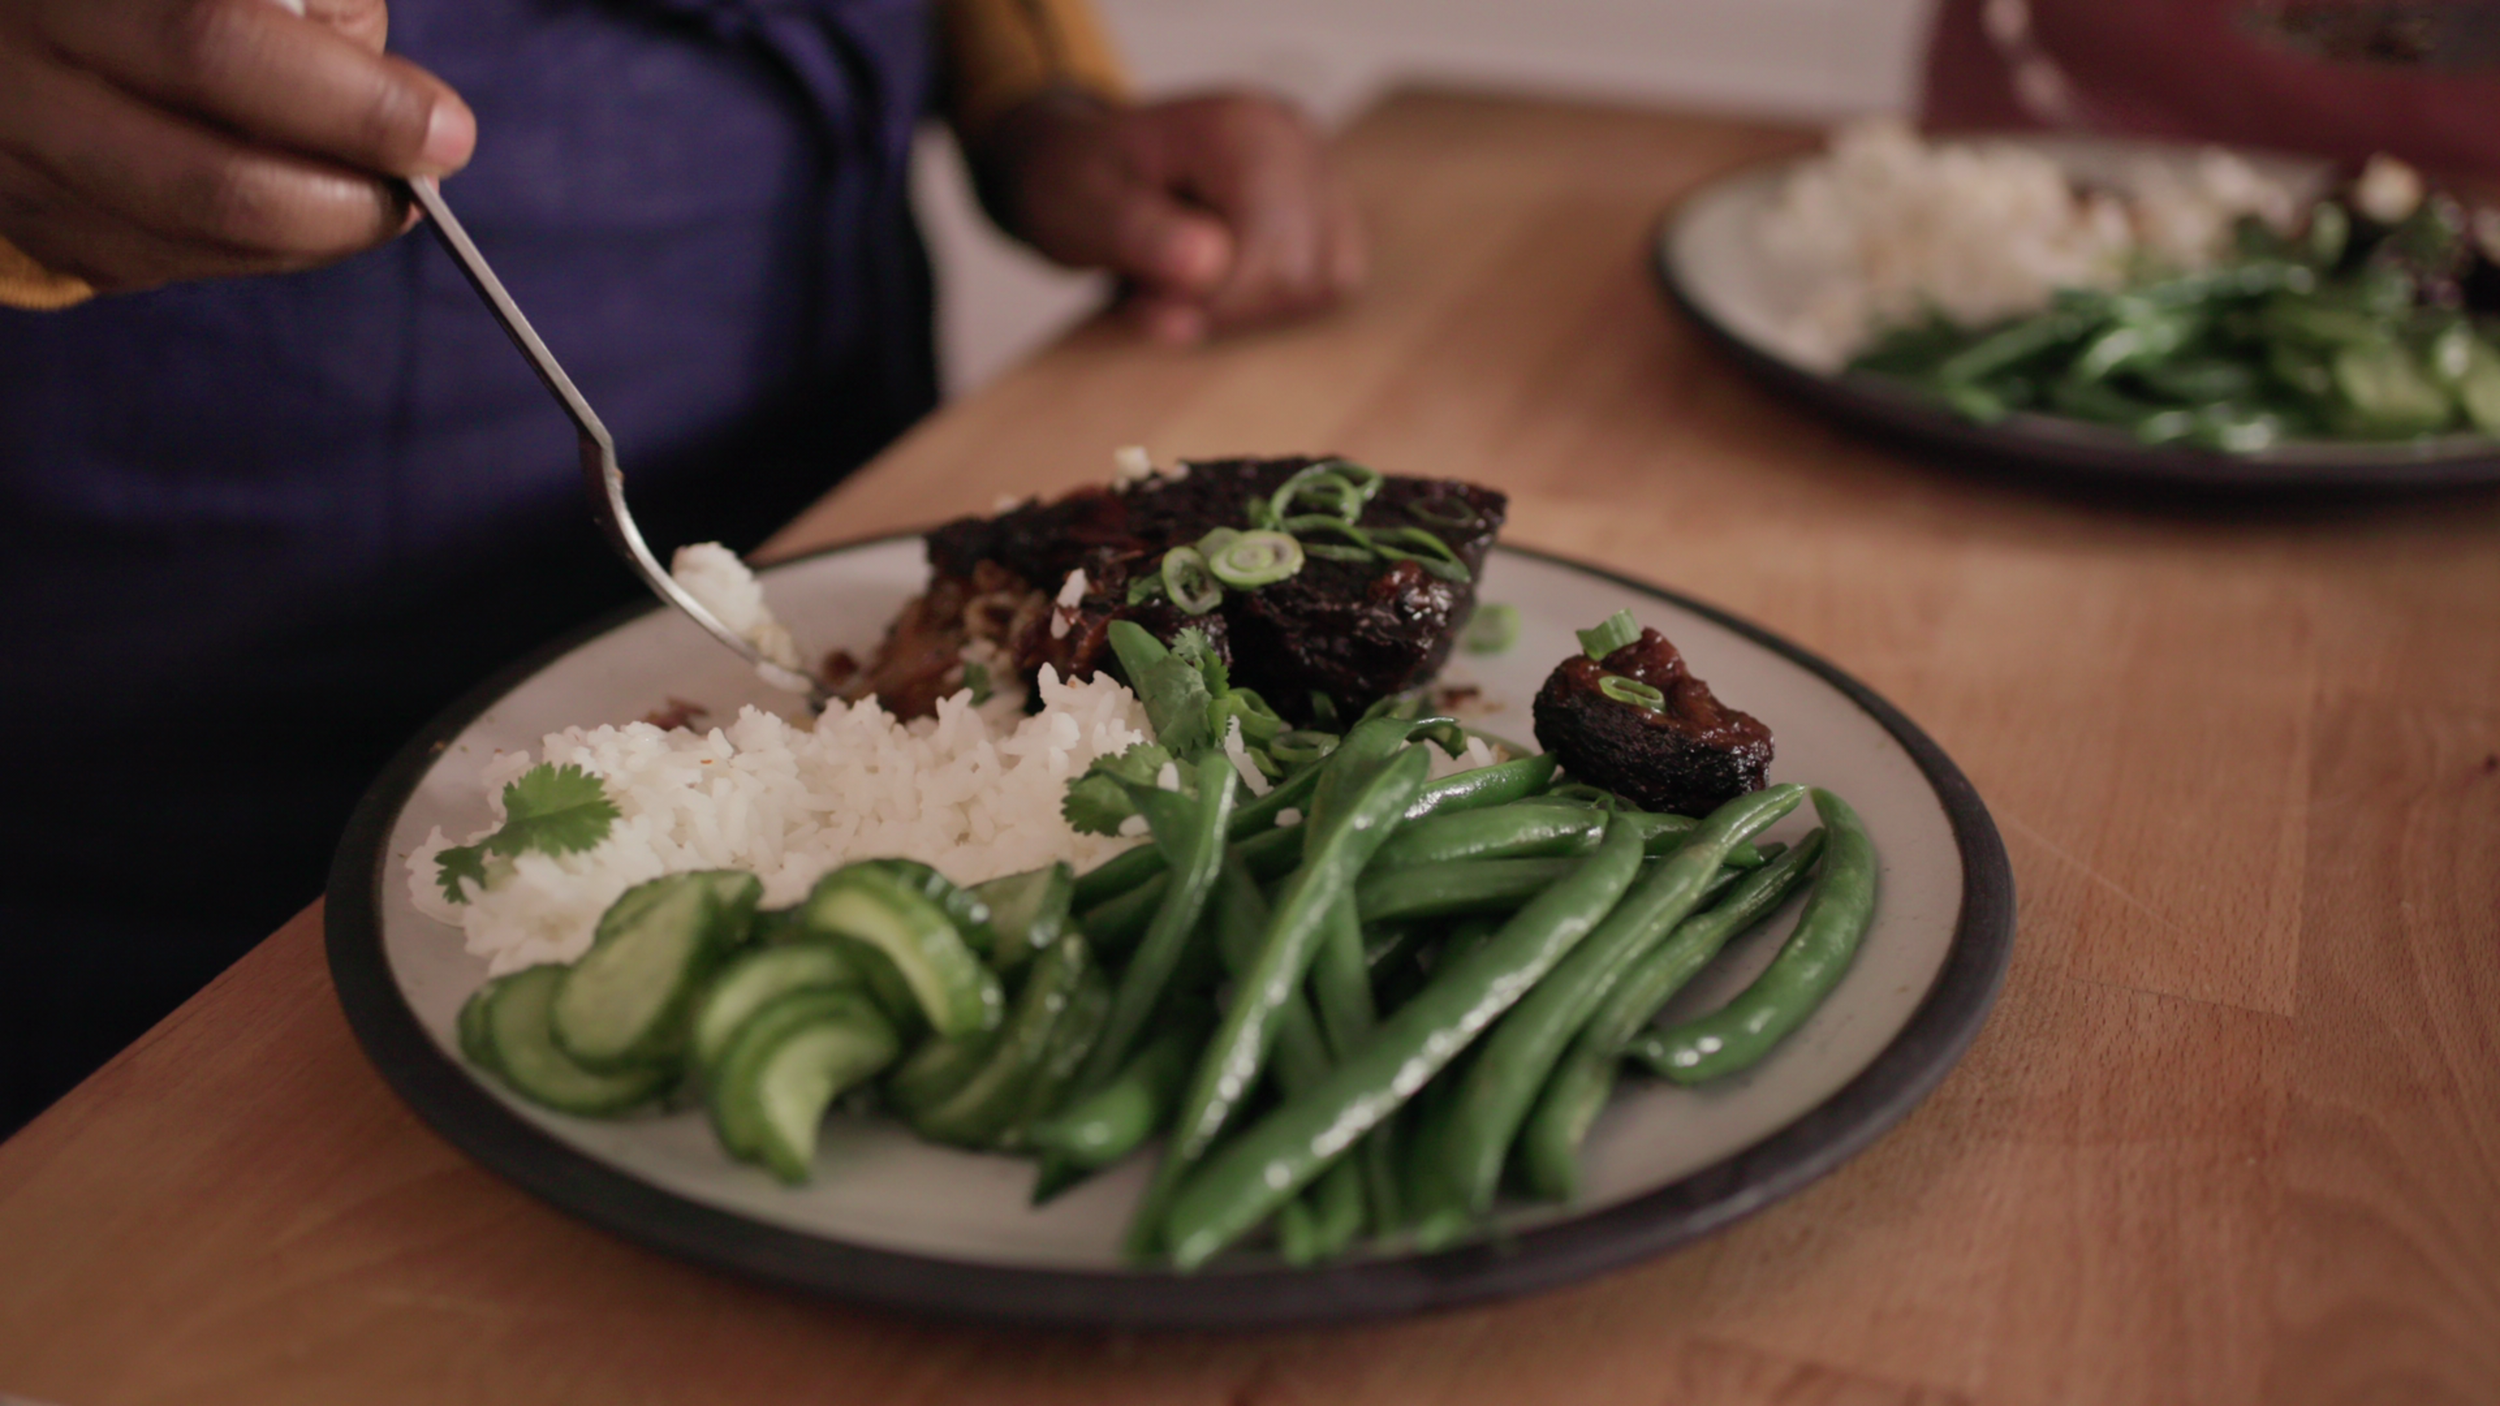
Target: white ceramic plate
(892,1219)
(1711,262)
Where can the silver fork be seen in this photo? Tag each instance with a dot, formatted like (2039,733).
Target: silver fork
(600,474)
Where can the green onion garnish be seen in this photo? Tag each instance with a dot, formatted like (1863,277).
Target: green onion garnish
(1309,524)
(1188,582)
(1445,512)
(1433,554)
(1609,635)
(1632,691)
(1494,629)
(1253,559)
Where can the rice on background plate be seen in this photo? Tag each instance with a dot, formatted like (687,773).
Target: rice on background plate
(1886,226)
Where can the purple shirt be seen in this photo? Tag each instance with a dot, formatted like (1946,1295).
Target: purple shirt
(252,533)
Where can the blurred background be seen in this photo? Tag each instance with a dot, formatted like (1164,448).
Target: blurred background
(1798,59)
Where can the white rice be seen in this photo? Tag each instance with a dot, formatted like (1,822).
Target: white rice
(972,791)
(1886,227)
(714,576)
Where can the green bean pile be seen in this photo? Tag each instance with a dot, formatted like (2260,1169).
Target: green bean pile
(2347,331)
(1356,1029)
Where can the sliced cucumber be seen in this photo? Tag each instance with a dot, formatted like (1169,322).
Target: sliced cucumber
(756,977)
(988,1103)
(871,905)
(1029,910)
(477,1045)
(517,1031)
(2478,389)
(627,1002)
(2387,393)
(936,1069)
(787,1064)
(964,907)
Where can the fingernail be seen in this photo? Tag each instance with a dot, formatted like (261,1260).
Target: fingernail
(450,137)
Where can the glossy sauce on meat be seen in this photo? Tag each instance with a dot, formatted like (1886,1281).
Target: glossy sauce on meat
(1688,756)
(1357,631)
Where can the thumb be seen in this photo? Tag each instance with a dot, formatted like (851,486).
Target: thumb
(1165,244)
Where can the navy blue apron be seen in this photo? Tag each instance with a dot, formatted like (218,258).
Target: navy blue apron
(253,533)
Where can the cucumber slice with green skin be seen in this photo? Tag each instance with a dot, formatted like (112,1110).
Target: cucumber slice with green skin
(777,925)
(2385,392)
(518,1029)
(785,1067)
(628,1001)
(988,1103)
(1030,910)
(2478,388)
(885,982)
(871,905)
(936,1070)
(756,977)
(965,908)
(1080,1028)
(477,1046)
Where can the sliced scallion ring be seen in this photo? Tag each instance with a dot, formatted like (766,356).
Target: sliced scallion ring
(1432,554)
(1253,559)
(1610,634)
(1188,582)
(1366,480)
(1445,512)
(1494,629)
(1216,540)
(1632,691)
(1307,524)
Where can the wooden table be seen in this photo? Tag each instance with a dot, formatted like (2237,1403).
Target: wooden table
(2232,1135)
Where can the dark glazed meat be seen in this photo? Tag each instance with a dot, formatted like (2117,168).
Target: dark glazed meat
(1355,630)
(1688,757)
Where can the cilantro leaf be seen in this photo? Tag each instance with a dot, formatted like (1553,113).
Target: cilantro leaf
(550,809)
(1098,802)
(553,810)
(1176,699)
(1193,645)
(461,864)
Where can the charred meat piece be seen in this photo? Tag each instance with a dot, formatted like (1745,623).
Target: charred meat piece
(1687,755)
(1357,631)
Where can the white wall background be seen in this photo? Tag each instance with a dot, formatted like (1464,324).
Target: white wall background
(1806,59)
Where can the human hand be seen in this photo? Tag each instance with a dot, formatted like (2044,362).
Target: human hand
(1218,212)
(146,141)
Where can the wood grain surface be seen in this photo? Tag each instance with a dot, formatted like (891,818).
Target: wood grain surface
(2232,1135)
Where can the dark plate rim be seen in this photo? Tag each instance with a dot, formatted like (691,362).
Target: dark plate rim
(479,1124)
(2047,446)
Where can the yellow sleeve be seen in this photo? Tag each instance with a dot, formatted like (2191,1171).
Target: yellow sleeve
(997,53)
(29,285)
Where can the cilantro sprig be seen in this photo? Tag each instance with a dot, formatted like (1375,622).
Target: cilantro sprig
(548,809)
